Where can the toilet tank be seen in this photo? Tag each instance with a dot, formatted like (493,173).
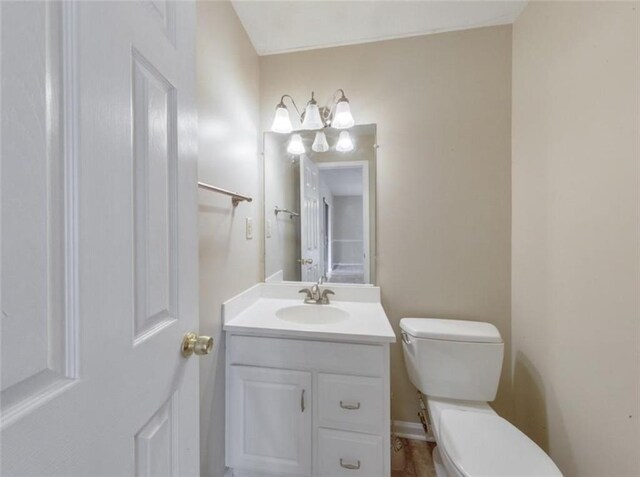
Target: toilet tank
(453,359)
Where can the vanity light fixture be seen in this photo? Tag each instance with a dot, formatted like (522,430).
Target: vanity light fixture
(281,121)
(320,143)
(344,144)
(336,114)
(342,117)
(295,145)
(312,119)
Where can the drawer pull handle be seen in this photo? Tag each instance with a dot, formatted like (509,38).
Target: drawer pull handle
(350,466)
(351,407)
(302,401)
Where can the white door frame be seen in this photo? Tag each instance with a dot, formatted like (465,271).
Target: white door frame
(366,226)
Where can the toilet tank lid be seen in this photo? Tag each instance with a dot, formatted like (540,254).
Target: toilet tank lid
(451,330)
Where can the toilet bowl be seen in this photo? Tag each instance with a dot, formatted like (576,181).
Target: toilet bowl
(456,365)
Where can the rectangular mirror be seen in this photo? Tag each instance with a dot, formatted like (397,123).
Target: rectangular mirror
(320,208)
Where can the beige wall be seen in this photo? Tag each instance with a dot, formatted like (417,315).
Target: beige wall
(575,245)
(442,104)
(228,101)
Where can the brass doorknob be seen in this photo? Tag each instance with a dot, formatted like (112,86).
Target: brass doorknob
(200,345)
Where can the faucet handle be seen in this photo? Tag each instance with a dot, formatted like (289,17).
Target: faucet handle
(305,290)
(309,298)
(325,296)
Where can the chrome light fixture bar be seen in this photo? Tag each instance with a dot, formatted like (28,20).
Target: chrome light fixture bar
(336,114)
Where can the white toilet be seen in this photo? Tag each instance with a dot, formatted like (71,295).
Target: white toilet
(457,365)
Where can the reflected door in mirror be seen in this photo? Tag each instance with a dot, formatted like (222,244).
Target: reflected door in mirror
(309,220)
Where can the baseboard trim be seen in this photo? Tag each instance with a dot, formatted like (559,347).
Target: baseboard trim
(410,430)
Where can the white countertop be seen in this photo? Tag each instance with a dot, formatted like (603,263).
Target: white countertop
(254,312)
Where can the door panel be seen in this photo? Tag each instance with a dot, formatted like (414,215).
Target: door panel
(271,412)
(99,244)
(154,142)
(39,338)
(156,443)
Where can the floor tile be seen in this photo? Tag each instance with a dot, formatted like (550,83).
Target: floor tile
(412,459)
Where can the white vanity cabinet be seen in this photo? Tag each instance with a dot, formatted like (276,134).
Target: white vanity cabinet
(304,407)
(270,419)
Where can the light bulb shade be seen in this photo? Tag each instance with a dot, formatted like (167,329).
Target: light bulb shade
(295,145)
(312,119)
(342,118)
(281,121)
(320,143)
(344,144)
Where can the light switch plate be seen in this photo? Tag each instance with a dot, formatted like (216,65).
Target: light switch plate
(249,228)
(268,228)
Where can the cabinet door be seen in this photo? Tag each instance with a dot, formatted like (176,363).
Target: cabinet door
(269,420)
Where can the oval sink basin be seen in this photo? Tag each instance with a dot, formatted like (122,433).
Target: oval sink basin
(312,314)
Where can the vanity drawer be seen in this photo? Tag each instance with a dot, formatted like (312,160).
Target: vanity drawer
(360,359)
(349,454)
(350,402)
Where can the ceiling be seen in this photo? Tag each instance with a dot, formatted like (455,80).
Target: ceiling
(285,26)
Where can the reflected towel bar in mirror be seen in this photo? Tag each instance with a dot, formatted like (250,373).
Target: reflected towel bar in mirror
(287,211)
(235,197)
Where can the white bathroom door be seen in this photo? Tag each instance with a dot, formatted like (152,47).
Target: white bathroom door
(310,233)
(98,239)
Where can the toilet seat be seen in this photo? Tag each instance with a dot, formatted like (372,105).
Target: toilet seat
(484,444)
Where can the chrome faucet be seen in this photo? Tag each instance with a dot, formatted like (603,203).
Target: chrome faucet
(315,295)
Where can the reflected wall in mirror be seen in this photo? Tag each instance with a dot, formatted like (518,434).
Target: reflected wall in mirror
(320,208)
